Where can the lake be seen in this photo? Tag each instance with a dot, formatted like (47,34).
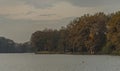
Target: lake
(58,62)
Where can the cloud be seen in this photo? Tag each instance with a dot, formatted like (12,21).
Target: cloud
(47,15)
(81,3)
(50,3)
(41,3)
(58,11)
(11,2)
(15,10)
(86,3)
(51,9)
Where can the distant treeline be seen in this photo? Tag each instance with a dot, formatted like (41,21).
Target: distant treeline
(9,46)
(91,34)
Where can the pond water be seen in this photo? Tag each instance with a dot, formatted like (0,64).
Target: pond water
(56,62)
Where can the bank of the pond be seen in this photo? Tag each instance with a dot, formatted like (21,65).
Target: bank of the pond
(76,53)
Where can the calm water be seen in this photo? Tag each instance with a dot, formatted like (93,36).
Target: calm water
(32,62)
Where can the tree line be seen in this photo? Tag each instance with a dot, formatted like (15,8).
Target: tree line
(91,34)
(9,46)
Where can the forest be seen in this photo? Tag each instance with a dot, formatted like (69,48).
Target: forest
(88,34)
(9,46)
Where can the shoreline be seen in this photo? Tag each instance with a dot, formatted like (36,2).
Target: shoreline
(75,53)
(67,53)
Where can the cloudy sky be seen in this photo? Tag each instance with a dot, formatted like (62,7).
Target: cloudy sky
(20,18)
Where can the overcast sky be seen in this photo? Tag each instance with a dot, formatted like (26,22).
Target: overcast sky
(20,18)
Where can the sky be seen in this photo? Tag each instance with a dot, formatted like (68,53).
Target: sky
(20,18)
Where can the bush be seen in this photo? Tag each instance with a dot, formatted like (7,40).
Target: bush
(107,49)
(116,52)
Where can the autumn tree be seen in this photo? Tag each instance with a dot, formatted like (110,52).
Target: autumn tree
(86,34)
(97,35)
(113,34)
